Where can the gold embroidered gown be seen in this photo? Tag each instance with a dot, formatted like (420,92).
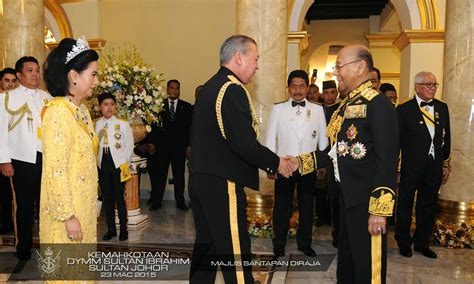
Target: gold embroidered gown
(69,181)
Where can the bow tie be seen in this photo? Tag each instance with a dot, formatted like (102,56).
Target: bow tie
(302,103)
(422,104)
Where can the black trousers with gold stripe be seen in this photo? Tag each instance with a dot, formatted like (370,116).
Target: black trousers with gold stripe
(361,258)
(220,217)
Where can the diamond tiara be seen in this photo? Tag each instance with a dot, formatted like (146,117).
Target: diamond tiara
(80,46)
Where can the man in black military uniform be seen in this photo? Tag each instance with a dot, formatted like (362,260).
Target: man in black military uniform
(225,158)
(425,144)
(364,139)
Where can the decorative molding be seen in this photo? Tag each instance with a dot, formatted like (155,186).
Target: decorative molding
(60,16)
(418,36)
(428,14)
(390,75)
(381,40)
(95,44)
(300,38)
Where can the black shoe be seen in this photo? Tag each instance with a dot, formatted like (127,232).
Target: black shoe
(406,252)
(279,251)
(182,207)
(109,235)
(24,256)
(123,235)
(308,251)
(155,207)
(426,251)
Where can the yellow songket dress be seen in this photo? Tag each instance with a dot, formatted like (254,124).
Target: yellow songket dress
(69,180)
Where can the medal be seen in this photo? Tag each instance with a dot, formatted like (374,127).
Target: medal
(314,134)
(117,135)
(352,132)
(308,114)
(358,150)
(118,145)
(342,148)
(298,112)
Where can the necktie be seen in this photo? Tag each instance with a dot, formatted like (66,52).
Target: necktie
(422,104)
(302,103)
(172,111)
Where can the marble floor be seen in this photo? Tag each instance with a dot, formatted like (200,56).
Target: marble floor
(169,226)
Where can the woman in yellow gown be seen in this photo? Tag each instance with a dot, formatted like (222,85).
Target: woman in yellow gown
(68,205)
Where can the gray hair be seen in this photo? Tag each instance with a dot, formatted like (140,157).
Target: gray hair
(234,44)
(420,76)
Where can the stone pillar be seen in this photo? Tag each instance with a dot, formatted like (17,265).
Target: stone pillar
(421,50)
(456,199)
(23,30)
(266,21)
(297,42)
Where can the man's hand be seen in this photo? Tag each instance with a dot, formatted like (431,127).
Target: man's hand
(377,224)
(321,173)
(446,172)
(7,169)
(287,166)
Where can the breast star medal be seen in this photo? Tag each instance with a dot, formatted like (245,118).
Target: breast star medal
(298,112)
(358,150)
(342,148)
(118,145)
(117,135)
(352,132)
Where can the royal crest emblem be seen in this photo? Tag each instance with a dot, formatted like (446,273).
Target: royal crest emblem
(352,132)
(342,148)
(48,263)
(358,150)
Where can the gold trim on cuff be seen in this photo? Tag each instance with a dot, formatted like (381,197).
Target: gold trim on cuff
(382,201)
(307,163)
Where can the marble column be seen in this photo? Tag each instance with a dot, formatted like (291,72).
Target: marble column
(266,21)
(456,198)
(23,30)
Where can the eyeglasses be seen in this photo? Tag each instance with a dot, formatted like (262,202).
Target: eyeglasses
(339,66)
(429,85)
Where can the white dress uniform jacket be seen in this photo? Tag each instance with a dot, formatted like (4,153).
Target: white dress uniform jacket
(20,124)
(296,130)
(119,139)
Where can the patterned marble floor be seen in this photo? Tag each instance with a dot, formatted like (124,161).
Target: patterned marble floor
(171,226)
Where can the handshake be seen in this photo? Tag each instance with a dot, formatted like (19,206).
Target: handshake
(288,164)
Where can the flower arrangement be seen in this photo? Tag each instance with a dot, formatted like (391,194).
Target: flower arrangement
(453,235)
(262,226)
(134,84)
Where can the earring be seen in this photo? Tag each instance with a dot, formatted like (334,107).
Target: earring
(74,83)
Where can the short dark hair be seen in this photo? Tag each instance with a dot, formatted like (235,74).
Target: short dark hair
(7,70)
(56,69)
(387,87)
(298,74)
(172,81)
(21,62)
(102,97)
(378,73)
(365,55)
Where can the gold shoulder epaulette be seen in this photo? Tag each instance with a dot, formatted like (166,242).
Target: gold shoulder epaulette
(370,93)
(277,103)
(316,103)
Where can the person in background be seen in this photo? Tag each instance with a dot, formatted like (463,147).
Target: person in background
(21,149)
(390,91)
(8,79)
(375,78)
(425,142)
(115,152)
(314,95)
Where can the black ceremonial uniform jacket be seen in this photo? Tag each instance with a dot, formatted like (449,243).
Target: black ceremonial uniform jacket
(366,132)
(415,138)
(238,155)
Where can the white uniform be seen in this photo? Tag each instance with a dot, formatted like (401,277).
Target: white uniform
(117,135)
(20,124)
(294,130)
